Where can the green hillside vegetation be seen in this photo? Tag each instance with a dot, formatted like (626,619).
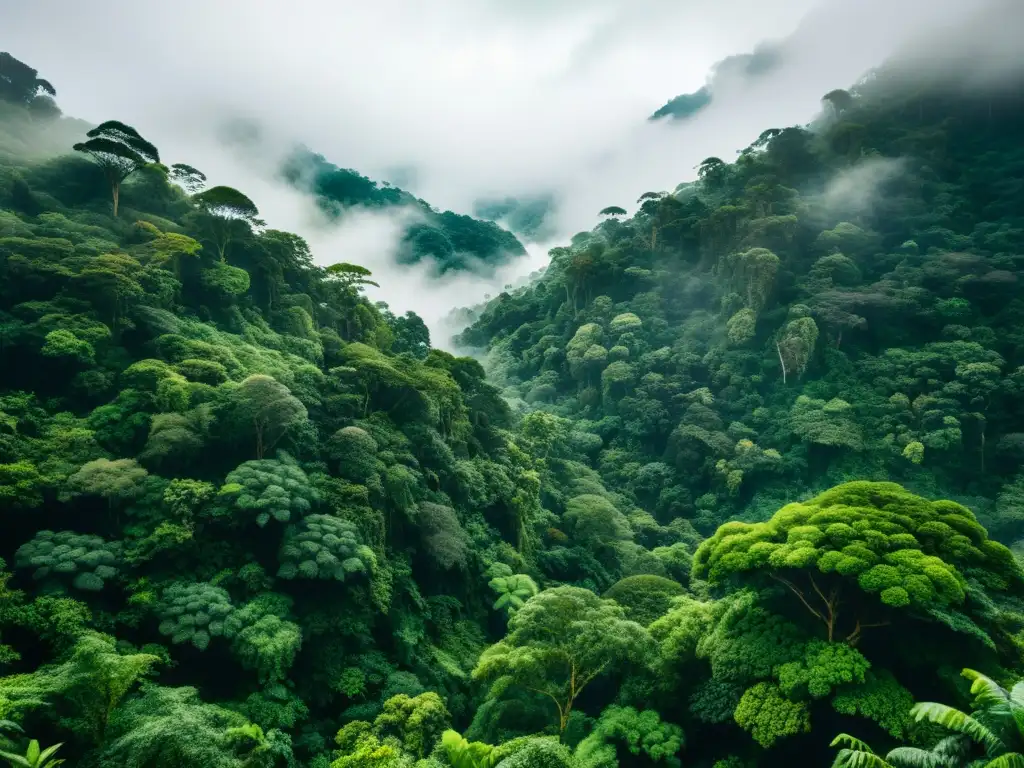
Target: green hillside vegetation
(451,241)
(840,303)
(736,489)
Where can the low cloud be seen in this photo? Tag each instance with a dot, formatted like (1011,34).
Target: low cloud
(478,98)
(371,237)
(854,191)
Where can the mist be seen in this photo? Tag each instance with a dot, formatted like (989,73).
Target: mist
(475,97)
(854,191)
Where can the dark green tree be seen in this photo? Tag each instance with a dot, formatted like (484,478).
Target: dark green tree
(192,180)
(228,216)
(120,151)
(19,83)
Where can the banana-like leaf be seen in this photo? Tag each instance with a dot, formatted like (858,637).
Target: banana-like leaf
(466,754)
(44,758)
(15,760)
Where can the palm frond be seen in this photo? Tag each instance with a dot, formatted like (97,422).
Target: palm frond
(849,758)
(913,757)
(1017,693)
(953,748)
(1017,713)
(988,694)
(1009,760)
(856,754)
(851,742)
(960,722)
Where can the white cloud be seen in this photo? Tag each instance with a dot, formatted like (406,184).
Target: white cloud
(854,191)
(478,96)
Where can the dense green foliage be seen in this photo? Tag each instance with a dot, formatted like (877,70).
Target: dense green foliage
(750,481)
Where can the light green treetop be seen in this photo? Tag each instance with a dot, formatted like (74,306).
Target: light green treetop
(864,538)
(559,642)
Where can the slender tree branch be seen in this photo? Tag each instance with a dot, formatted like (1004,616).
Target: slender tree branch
(831,604)
(800,595)
(590,677)
(854,637)
(549,695)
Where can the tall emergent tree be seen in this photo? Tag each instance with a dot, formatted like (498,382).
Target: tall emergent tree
(229,214)
(120,151)
(869,554)
(191,179)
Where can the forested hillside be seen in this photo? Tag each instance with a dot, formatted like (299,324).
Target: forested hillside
(451,241)
(841,302)
(721,496)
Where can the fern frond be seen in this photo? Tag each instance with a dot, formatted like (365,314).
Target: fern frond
(960,722)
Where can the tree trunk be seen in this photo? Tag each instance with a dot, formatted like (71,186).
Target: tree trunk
(115,188)
(259,438)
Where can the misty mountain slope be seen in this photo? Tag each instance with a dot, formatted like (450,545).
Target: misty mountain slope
(181,435)
(841,301)
(528,217)
(451,240)
(252,519)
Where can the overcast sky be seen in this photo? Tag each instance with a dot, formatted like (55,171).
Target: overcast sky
(477,96)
